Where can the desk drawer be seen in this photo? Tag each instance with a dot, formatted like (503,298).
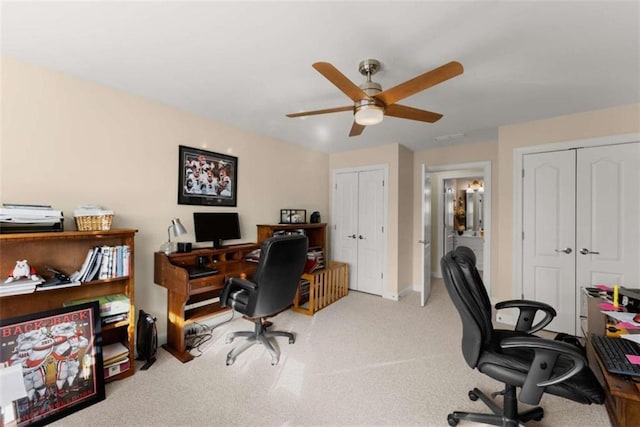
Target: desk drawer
(206,284)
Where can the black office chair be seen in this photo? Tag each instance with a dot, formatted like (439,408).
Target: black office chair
(515,358)
(270,291)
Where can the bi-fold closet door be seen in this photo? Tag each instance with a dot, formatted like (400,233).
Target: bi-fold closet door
(581,222)
(357,232)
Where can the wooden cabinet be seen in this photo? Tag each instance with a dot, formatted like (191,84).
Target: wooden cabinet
(319,288)
(191,299)
(67,251)
(317,233)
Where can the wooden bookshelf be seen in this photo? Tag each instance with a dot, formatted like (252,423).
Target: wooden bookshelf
(66,251)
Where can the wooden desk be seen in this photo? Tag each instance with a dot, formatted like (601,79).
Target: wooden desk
(622,396)
(170,272)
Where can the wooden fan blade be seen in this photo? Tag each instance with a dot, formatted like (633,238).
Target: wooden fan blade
(328,110)
(356,129)
(404,112)
(420,83)
(349,88)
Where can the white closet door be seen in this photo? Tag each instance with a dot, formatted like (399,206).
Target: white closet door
(549,234)
(370,233)
(344,236)
(587,201)
(608,216)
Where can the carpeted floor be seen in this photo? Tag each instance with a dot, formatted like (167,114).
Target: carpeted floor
(362,361)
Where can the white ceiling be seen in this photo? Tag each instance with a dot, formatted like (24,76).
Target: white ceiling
(249,63)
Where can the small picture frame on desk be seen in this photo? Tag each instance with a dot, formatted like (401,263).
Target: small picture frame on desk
(293,216)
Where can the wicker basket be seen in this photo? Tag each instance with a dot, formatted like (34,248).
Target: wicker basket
(94,222)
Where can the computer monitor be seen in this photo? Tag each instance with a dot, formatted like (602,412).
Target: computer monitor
(216,227)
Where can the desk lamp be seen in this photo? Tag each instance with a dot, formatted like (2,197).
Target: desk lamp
(11,389)
(170,247)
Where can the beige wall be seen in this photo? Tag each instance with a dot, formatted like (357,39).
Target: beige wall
(68,142)
(593,124)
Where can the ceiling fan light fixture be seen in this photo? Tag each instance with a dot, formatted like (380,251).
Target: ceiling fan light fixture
(367,115)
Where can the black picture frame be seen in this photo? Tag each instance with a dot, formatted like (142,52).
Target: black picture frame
(206,178)
(61,354)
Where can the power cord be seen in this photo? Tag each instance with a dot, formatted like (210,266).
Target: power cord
(198,334)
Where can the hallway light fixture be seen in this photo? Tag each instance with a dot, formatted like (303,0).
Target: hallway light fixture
(475,186)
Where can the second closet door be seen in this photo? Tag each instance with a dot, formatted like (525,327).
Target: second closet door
(358,228)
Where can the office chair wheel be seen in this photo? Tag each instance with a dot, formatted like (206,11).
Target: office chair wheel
(230,361)
(453,421)
(473,396)
(292,340)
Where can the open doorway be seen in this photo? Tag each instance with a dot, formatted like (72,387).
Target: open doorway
(476,224)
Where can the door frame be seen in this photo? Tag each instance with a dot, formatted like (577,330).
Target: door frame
(518,162)
(385,216)
(461,170)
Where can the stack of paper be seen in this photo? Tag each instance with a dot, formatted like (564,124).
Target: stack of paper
(115,359)
(16,217)
(21,286)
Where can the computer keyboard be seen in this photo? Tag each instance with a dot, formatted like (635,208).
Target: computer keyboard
(613,351)
(197,271)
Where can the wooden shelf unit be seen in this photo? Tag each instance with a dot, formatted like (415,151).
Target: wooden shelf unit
(170,272)
(317,233)
(326,285)
(67,251)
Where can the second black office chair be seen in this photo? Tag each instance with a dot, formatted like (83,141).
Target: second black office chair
(517,359)
(270,291)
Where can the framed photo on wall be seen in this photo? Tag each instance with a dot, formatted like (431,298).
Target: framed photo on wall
(60,352)
(207,178)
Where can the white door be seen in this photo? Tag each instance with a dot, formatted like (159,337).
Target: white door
(426,236)
(344,243)
(370,233)
(358,230)
(549,234)
(608,216)
(584,206)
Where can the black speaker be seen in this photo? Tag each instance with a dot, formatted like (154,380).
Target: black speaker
(146,339)
(184,247)
(315,217)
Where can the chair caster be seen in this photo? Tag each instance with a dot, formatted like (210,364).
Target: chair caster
(230,361)
(274,362)
(473,396)
(292,340)
(228,340)
(452,420)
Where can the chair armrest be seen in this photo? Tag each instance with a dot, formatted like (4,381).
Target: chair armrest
(528,310)
(235,283)
(546,353)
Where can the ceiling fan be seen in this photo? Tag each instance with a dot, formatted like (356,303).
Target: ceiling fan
(371,103)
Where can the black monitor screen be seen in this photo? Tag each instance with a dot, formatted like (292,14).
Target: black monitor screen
(216,227)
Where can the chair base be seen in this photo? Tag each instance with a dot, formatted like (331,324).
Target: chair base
(260,335)
(502,416)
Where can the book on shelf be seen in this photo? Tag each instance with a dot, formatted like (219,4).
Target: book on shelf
(114,352)
(110,305)
(117,368)
(56,284)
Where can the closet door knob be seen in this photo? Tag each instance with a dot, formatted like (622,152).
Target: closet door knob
(565,250)
(585,251)
(353,236)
